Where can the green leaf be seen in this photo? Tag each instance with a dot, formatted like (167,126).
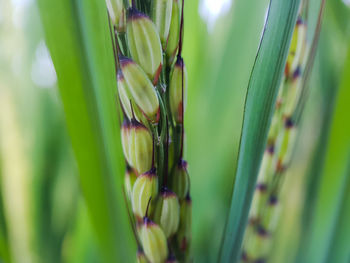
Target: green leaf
(4,244)
(326,86)
(259,107)
(78,37)
(329,207)
(339,251)
(219,63)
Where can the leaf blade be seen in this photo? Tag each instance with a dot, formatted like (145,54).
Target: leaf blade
(78,38)
(259,106)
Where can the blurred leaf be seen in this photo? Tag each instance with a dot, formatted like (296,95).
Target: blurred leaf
(80,245)
(340,251)
(219,63)
(4,245)
(333,183)
(53,213)
(326,75)
(78,38)
(259,107)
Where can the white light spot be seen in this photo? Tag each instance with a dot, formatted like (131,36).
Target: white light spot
(43,72)
(21,3)
(19,10)
(347,2)
(210,10)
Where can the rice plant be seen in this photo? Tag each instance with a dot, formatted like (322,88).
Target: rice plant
(264,212)
(151,89)
(96,164)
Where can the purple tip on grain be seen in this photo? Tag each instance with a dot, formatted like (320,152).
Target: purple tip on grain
(136,124)
(124,61)
(171,258)
(261,187)
(151,173)
(261,231)
(289,123)
(260,260)
(244,256)
(133,13)
(128,168)
(188,198)
(139,250)
(271,149)
(297,73)
(273,200)
(182,164)
(147,221)
(166,192)
(179,62)
(164,189)
(126,124)
(300,21)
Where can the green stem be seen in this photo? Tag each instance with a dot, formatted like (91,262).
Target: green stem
(160,137)
(123,43)
(177,143)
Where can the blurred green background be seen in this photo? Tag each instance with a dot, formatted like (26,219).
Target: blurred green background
(43,217)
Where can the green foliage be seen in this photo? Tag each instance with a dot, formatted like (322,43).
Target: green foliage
(219,64)
(79,41)
(67,228)
(4,246)
(259,107)
(330,60)
(326,235)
